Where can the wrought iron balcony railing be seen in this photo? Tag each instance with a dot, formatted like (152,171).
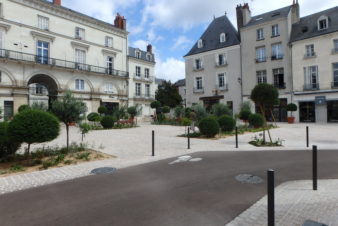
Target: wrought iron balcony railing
(280,85)
(31,58)
(222,88)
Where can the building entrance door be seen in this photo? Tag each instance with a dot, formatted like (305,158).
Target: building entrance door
(307,112)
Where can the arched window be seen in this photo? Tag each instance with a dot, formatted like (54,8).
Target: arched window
(200,43)
(222,38)
(323,22)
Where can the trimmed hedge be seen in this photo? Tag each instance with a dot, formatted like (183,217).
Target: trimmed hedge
(94,117)
(165,109)
(102,110)
(244,114)
(23,108)
(256,120)
(209,127)
(7,145)
(226,123)
(108,121)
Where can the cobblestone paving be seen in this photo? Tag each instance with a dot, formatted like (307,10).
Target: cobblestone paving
(296,202)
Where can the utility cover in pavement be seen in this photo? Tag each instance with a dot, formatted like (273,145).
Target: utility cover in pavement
(313,223)
(103,170)
(248,179)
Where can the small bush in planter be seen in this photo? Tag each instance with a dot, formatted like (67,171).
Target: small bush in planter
(94,117)
(165,109)
(291,107)
(244,115)
(209,127)
(108,121)
(102,110)
(256,120)
(226,123)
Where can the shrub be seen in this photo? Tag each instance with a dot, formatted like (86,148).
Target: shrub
(291,107)
(165,109)
(199,111)
(7,145)
(94,117)
(132,111)
(102,110)
(179,110)
(186,122)
(108,121)
(155,104)
(39,106)
(256,120)
(227,123)
(220,109)
(23,108)
(208,127)
(246,106)
(244,114)
(34,126)
(160,117)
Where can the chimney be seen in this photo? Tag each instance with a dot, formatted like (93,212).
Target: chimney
(243,15)
(120,22)
(57,2)
(149,49)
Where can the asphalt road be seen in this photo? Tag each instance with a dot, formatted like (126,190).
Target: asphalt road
(197,194)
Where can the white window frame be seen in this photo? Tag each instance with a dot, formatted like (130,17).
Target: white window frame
(146,72)
(138,89)
(200,44)
(110,64)
(138,71)
(275,30)
(222,38)
(43,22)
(261,54)
(198,64)
(311,75)
(218,59)
(259,34)
(277,50)
(221,80)
(335,45)
(335,72)
(138,54)
(0,76)
(325,21)
(2,39)
(261,77)
(310,50)
(109,42)
(109,88)
(42,48)
(80,33)
(148,57)
(147,90)
(79,84)
(199,83)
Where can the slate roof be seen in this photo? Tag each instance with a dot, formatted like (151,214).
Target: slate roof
(211,37)
(307,26)
(132,53)
(180,83)
(266,17)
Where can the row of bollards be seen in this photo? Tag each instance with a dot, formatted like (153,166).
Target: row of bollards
(271,186)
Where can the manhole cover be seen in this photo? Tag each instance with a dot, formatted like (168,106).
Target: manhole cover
(249,179)
(103,170)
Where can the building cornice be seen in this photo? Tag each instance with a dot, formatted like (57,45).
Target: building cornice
(71,15)
(138,60)
(81,45)
(5,26)
(41,35)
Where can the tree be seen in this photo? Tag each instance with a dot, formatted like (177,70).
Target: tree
(167,94)
(220,109)
(68,109)
(8,146)
(265,97)
(33,126)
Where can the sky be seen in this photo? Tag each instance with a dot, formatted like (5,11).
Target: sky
(173,26)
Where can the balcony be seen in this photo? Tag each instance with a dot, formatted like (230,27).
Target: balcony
(280,85)
(260,60)
(311,87)
(277,57)
(222,88)
(198,90)
(144,97)
(34,59)
(221,64)
(143,78)
(310,55)
(198,68)
(334,85)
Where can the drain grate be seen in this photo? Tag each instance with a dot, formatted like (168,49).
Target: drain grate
(249,179)
(103,170)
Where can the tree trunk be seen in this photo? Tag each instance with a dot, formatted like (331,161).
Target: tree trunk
(264,122)
(28,149)
(67,129)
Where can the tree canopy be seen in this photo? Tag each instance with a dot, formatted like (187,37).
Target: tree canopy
(167,94)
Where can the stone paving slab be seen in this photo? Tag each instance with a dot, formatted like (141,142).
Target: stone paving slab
(296,202)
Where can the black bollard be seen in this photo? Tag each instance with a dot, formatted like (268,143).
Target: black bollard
(314,167)
(236,137)
(271,197)
(153,143)
(188,137)
(307,136)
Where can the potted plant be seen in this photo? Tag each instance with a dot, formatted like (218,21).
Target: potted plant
(291,107)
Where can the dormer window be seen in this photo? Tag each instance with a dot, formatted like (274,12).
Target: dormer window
(323,23)
(222,38)
(148,57)
(200,43)
(138,54)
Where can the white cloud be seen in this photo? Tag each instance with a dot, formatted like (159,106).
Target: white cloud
(141,44)
(181,42)
(171,69)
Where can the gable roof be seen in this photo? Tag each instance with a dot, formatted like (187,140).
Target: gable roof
(307,26)
(211,37)
(180,83)
(132,53)
(272,15)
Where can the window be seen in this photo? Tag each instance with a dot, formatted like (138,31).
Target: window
(322,23)
(277,51)
(260,54)
(148,57)
(146,72)
(311,78)
(43,23)
(79,84)
(109,42)
(275,30)
(39,89)
(138,89)
(138,54)
(138,71)
(222,38)
(221,80)
(147,90)
(0,76)
(80,33)
(335,75)
(261,77)
(260,34)
(42,52)
(2,34)
(278,78)
(200,43)
(220,60)
(199,84)
(109,88)
(198,64)
(335,46)
(80,59)
(310,51)
(110,65)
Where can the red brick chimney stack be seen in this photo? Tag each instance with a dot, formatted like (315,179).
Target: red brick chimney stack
(120,22)
(57,2)
(150,48)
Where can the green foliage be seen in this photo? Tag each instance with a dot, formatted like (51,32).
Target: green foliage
(256,120)
(265,95)
(199,111)
(165,109)
(120,113)
(160,117)
(244,114)
(39,106)
(167,94)
(179,111)
(83,156)
(108,121)
(208,127)
(226,123)
(220,109)
(246,106)
(102,110)
(134,111)
(291,107)
(23,107)
(8,146)
(34,126)
(187,112)
(155,104)
(94,117)
(185,122)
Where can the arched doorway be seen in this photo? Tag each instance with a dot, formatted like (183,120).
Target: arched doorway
(42,89)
